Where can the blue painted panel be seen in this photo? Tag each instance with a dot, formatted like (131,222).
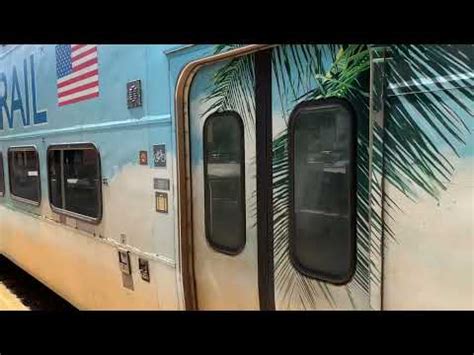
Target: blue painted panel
(119,133)
(118,64)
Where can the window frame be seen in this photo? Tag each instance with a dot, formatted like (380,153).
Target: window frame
(316,104)
(2,173)
(24,148)
(62,211)
(216,246)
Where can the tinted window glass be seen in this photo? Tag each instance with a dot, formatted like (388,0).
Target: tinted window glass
(224,182)
(2,177)
(74,180)
(54,172)
(323,233)
(24,173)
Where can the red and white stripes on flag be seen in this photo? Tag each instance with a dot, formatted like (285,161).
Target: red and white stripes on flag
(78,73)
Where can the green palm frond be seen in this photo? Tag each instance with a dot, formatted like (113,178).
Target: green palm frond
(296,69)
(412,146)
(233,88)
(220,48)
(342,80)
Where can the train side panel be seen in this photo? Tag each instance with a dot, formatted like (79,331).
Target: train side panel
(78,259)
(429,178)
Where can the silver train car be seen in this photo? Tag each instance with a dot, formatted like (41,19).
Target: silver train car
(241,177)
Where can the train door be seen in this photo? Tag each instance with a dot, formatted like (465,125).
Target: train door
(279,192)
(322,239)
(223,145)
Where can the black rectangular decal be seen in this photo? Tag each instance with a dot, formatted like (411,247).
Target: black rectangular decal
(159,155)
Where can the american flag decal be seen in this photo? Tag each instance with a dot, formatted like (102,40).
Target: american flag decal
(78,73)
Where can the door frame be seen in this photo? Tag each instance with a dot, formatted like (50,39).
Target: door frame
(184,191)
(379,71)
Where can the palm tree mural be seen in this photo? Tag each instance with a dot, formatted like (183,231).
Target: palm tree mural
(406,150)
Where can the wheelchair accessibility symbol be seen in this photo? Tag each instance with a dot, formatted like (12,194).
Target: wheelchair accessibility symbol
(159,155)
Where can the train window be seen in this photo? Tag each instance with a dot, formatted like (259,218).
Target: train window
(23,163)
(224,176)
(75,181)
(322,158)
(2,177)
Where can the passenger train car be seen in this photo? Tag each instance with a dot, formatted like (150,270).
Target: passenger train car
(273,177)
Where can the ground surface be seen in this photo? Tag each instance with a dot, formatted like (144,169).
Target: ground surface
(20,291)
